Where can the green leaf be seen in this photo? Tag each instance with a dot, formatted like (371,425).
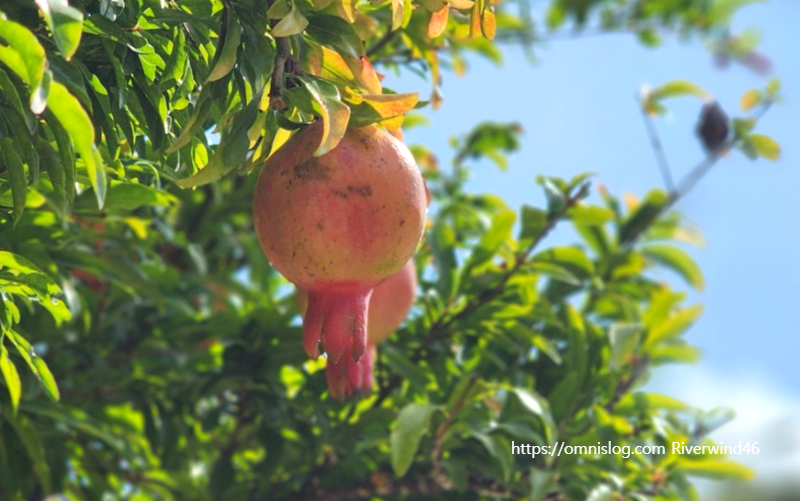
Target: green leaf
(678,261)
(590,215)
(498,233)
(538,406)
(678,353)
(571,258)
(229,45)
(412,424)
(533,223)
(16,175)
(499,448)
(443,239)
(765,146)
(643,215)
(232,150)
(673,326)
(292,24)
(55,171)
(34,448)
(337,33)
(647,402)
(334,114)
(66,24)
(130,196)
(540,483)
(11,377)
(400,364)
(624,338)
(555,272)
(713,468)
(24,55)
(76,122)
(601,493)
(36,364)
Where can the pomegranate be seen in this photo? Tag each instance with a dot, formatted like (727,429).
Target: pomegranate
(388,307)
(337,225)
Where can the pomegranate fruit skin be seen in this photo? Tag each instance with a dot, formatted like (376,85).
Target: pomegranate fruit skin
(337,225)
(389,305)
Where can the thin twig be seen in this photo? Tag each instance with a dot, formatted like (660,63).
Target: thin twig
(658,149)
(381,42)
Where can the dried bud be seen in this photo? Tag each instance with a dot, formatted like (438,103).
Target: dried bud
(713,126)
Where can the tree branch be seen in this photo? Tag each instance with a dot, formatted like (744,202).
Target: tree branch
(440,476)
(439,329)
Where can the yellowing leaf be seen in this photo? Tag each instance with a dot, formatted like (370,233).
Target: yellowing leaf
(334,113)
(346,9)
(397,14)
(677,88)
(475,19)
(438,22)
(488,26)
(750,99)
(765,146)
(381,107)
(365,74)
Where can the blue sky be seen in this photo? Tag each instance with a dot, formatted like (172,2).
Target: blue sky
(579,113)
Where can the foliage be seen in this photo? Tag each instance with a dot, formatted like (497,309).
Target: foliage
(149,351)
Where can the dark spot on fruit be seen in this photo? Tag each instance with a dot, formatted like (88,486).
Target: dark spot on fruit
(320,225)
(311,170)
(363,191)
(340,194)
(402,222)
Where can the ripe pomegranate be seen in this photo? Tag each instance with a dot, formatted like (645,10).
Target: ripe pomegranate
(388,307)
(337,225)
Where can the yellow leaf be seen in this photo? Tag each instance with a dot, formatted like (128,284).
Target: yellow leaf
(391,105)
(438,22)
(475,19)
(397,14)
(365,74)
(488,23)
(766,146)
(749,99)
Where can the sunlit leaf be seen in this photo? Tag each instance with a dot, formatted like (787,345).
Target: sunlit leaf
(66,24)
(74,119)
(11,377)
(438,22)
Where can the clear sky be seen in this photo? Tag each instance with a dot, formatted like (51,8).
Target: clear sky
(578,110)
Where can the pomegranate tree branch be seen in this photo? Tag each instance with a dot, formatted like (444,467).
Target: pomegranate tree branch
(284,63)
(381,42)
(439,475)
(440,328)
